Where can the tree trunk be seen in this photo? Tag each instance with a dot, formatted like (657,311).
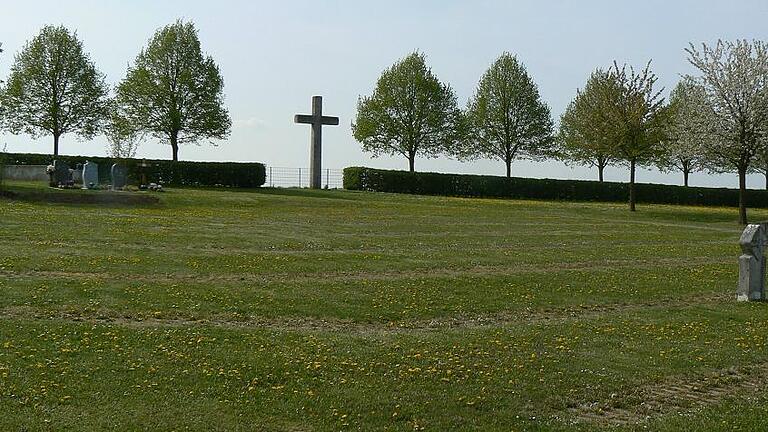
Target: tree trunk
(175,145)
(509,167)
(411,161)
(632,197)
(685,177)
(600,169)
(56,144)
(742,196)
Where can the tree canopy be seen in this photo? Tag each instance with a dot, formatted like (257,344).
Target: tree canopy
(122,139)
(54,88)
(636,118)
(506,117)
(734,79)
(583,138)
(410,113)
(2,115)
(685,141)
(173,92)
(621,114)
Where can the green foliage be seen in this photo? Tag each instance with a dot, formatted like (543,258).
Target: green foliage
(54,88)
(410,113)
(123,138)
(2,113)
(628,114)
(173,92)
(506,117)
(231,174)
(634,114)
(368,179)
(582,139)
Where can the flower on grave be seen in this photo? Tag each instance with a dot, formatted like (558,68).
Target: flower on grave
(50,169)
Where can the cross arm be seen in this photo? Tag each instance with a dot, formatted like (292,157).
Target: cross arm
(303,118)
(331,121)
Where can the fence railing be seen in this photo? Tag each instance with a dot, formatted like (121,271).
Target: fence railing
(299,177)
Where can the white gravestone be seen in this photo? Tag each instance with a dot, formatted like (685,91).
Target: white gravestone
(752,263)
(90,175)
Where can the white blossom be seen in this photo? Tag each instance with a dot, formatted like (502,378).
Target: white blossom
(734,77)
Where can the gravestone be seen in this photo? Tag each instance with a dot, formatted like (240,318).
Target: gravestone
(61,173)
(752,263)
(119,176)
(90,175)
(317,120)
(77,174)
(143,165)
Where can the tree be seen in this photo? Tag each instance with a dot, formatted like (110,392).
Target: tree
(734,77)
(123,140)
(506,117)
(2,114)
(410,113)
(173,92)
(683,149)
(54,88)
(635,118)
(583,138)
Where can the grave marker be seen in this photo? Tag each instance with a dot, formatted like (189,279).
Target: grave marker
(119,176)
(90,175)
(752,263)
(61,174)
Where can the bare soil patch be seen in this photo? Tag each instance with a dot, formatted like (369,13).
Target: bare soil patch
(673,395)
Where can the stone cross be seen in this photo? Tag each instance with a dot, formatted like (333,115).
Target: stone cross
(317,120)
(752,263)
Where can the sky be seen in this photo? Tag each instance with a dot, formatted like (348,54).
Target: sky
(275,55)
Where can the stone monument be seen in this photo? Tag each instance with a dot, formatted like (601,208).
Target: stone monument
(317,120)
(752,263)
(90,175)
(61,174)
(77,174)
(119,176)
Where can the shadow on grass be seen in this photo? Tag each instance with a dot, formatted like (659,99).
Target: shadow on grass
(58,196)
(310,193)
(702,214)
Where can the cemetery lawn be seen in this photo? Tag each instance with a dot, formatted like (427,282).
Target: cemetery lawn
(330,310)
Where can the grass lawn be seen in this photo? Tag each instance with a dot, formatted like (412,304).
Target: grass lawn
(330,310)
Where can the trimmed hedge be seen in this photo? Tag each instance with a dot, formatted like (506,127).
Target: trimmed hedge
(182,173)
(369,179)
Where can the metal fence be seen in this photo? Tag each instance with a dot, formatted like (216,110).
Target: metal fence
(299,177)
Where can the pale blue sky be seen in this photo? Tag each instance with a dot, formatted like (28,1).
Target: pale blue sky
(275,55)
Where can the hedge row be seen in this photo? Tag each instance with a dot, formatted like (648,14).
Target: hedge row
(233,174)
(368,179)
